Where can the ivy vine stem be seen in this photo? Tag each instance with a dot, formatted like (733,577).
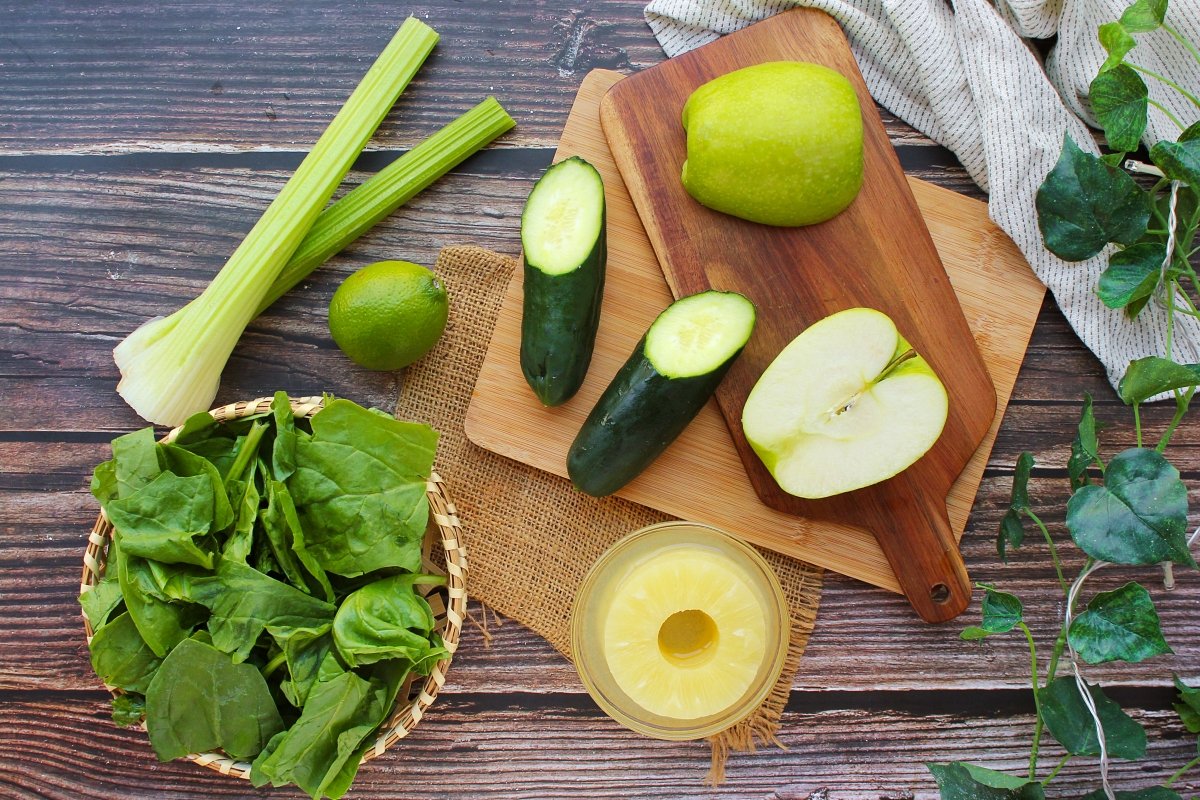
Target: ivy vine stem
(1181,407)
(1167,112)
(1164,79)
(1177,36)
(1058,768)
(1037,702)
(1062,582)
(1180,772)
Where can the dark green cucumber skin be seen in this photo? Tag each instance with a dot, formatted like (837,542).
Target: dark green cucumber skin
(638,416)
(558,325)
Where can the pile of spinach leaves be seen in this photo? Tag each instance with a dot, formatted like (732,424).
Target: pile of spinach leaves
(259,596)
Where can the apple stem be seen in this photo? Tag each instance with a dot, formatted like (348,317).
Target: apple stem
(895,362)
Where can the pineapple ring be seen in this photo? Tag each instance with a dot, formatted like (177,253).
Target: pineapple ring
(664,655)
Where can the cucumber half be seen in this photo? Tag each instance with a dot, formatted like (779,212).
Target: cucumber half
(668,378)
(563,238)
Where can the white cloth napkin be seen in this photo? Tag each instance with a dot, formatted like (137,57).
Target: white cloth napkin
(961,74)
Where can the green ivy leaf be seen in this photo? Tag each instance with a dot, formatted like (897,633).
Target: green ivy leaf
(1139,515)
(1150,376)
(1012,531)
(1119,98)
(1085,448)
(1121,625)
(1191,133)
(1117,42)
(1151,793)
(1083,204)
(1179,161)
(1001,612)
(1132,275)
(959,781)
(1188,706)
(1069,722)
(1144,16)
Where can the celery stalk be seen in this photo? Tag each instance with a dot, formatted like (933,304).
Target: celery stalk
(393,186)
(171,367)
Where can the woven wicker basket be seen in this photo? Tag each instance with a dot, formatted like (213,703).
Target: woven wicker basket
(449,603)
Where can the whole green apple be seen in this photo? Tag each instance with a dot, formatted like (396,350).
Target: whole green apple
(779,143)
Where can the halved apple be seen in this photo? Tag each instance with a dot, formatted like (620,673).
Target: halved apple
(848,403)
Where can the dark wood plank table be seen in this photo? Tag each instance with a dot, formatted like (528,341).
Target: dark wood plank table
(139,141)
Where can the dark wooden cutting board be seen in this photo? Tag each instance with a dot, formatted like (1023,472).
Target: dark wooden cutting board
(877,253)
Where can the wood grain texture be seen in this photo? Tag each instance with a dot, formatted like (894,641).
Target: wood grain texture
(94,244)
(225,76)
(876,253)
(700,476)
(849,752)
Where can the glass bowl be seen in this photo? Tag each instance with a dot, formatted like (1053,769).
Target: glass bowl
(686,638)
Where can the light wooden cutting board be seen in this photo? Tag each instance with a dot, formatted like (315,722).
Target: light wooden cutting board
(700,477)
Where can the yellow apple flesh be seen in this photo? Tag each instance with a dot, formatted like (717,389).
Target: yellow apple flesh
(846,404)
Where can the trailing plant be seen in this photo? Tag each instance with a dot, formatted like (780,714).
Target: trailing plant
(1131,510)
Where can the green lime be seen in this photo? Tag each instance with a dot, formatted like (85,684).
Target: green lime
(388,314)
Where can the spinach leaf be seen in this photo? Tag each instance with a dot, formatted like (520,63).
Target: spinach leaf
(200,700)
(279,536)
(104,482)
(359,488)
(320,753)
(162,624)
(961,781)
(1069,722)
(283,454)
(384,620)
(121,657)
(128,709)
(241,539)
(1119,101)
(137,460)
(1120,625)
(101,600)
(1084,203)
(187,464)
(164,518)
(305,649)
(243,602)
(1139,515)
(292,534)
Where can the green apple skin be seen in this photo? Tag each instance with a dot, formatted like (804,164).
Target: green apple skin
(845,405)
(779,143)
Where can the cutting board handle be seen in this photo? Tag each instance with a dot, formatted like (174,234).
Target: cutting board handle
(920,546)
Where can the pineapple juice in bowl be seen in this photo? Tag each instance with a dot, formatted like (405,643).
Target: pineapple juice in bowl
(679,631)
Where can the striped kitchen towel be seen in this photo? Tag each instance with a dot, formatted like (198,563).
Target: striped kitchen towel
(962,73)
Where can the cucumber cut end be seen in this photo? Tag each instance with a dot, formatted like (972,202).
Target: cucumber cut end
(563,217)
(697,334)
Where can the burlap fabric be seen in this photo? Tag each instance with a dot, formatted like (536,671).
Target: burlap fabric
(531,537)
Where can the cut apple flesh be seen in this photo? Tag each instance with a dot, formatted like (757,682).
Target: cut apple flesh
(685,635)
(845,405)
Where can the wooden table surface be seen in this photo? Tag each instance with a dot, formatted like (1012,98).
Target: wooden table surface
(139,141)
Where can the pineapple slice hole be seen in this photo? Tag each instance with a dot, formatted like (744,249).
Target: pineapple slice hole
(688,638)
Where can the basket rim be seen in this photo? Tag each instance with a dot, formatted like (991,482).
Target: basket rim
(405,715)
